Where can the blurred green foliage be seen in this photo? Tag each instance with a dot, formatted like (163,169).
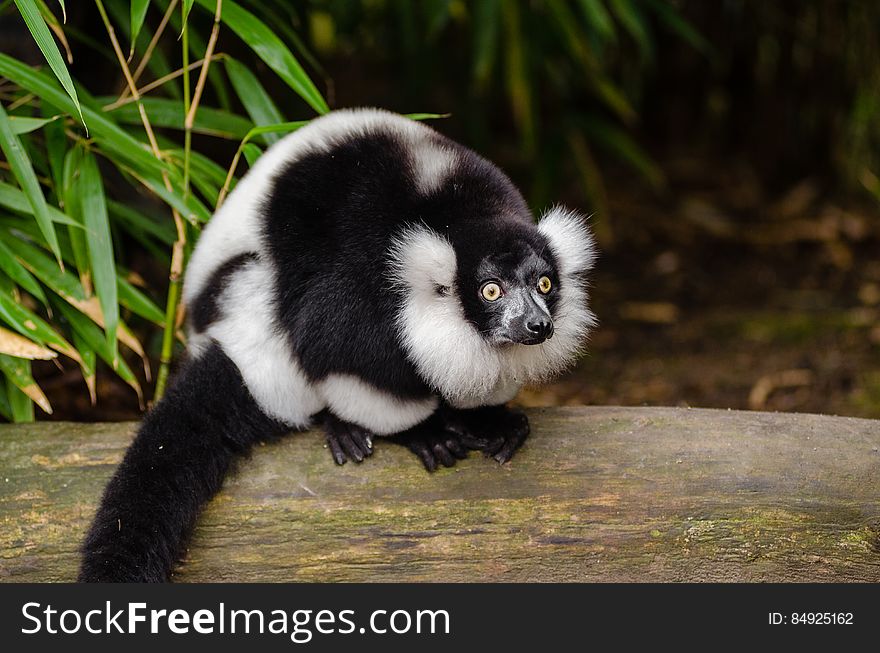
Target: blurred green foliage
(557,91)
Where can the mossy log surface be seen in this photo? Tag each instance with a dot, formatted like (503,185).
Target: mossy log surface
(596,494)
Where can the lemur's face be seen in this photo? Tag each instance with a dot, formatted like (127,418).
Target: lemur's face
(512,295)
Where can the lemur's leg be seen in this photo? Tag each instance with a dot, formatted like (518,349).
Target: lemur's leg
(497,431)
(432,444)
(347,441)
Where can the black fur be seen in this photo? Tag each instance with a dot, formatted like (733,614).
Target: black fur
(352,202)
(177,462)
(205,310)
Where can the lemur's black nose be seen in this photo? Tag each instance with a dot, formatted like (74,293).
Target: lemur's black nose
(542,328)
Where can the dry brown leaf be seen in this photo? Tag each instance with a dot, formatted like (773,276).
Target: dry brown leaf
(17,345)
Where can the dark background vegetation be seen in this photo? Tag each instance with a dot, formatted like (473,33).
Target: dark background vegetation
(727,151)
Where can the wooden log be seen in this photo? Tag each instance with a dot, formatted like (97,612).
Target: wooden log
(596,494)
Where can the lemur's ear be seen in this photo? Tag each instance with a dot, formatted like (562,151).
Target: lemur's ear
(422,261)
(570,239)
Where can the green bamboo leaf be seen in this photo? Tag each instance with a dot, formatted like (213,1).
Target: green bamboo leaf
(206,176)
(616,142)
(138,303)
(18,372)
(485,29)
(251,153)
(5,405)
(46,43)
(426,116)
(69,195)
(63,10)
(20,404)
(100,245)
(14,199)
(254,97)
(67,286)
(634,23)
(24,125)
(33,327)
(170,113)
(138,13)
(93,337)
(131,218)
(27,179)
(113,139)
(597,17)
(270,49)
(519,84)
(19,274)
(187,6)
(671,17)
(56,144)
(188,206)
(89,364)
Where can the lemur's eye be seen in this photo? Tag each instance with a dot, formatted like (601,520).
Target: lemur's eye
(544,285)
(490,291)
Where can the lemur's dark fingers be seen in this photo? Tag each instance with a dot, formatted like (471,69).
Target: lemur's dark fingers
(481,444)
(420,448)
(455,448)
(363,439)
(352,450)
(443,454)
(336,450)
(513,443)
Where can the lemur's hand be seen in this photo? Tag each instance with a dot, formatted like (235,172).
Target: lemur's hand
(347,441)
(497,431)
(433,445)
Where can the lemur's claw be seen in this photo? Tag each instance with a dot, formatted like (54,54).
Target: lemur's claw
(347,441)
(432,449)
(497,431)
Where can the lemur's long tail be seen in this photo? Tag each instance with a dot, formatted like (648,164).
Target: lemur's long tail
(177,462)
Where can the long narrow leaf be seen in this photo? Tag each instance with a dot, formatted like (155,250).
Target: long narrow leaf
(112,138)
(33,327)
(66,286)
(270,49)
(70,196)
(18,371)
(43,37)
(19,274)
(27,178)
(254,97)
(24,125)
(100,246)
(138,303)
(5,404)
(138,12)
(14,199)
(13,344)
(95,339)
(170,113)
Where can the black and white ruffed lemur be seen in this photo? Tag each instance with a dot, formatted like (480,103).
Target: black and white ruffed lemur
(370,275)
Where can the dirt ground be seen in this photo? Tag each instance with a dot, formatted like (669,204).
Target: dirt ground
(714,294)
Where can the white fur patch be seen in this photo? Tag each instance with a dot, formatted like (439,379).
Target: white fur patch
(381,413)
(247,333)
(236,227)
(447,350)
(432,164)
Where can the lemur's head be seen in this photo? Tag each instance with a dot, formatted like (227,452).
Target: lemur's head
(494,300)
(509,287)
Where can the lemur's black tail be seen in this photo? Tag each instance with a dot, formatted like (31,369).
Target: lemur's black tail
(177,462)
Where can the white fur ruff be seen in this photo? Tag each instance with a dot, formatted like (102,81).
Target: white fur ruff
(448,351)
